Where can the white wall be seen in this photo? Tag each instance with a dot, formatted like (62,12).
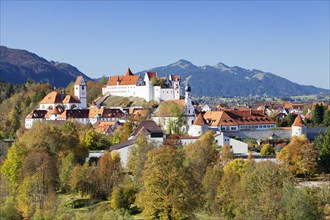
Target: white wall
(238,147)
(167,94)
(124,154)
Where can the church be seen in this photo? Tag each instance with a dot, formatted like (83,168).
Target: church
(130,85)
(55,99)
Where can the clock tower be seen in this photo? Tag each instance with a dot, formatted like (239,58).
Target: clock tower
(80,91)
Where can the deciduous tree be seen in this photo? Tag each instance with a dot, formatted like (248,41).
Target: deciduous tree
(167,190)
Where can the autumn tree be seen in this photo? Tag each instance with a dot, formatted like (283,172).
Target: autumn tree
(167,186)
(267,150)
(226,191)
(201,154)
(108,173)
(39,181)
(260,191)
(123,197)
(210,184)
(300,156)
(227,154)
(138,156)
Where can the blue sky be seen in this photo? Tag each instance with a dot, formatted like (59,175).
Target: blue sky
(287,38)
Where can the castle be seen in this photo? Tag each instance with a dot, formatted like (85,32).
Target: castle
(150,87)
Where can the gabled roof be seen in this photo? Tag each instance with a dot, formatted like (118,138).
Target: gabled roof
(200,120)
(149,126)
(237,117)
(128,79)
(70,99)
(129,72)
(298,121)
(122,145)
(37,114)
(79,80)
(52,98)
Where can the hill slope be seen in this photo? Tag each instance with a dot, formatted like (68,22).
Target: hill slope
(17,66)
(222,80)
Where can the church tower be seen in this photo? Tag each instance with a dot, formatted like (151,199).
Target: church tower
(80,91)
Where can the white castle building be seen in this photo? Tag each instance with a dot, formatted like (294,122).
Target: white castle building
(131,85)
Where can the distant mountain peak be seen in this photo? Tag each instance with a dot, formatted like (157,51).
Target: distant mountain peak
(17,66)
(222,67)
(184,64)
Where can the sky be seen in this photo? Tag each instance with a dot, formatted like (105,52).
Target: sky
(287,38)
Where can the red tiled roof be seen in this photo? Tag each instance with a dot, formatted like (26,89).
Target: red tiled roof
(298,121)
(123,80)
(52,98)
(70,99)
(129,72)
(237,117)
(200,120)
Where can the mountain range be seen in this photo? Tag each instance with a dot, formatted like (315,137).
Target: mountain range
(222,80)
(17,66)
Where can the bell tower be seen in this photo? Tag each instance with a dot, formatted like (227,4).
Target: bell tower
(80,91)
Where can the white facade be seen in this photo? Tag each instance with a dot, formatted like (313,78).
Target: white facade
(238,147)
(144,89)
(299,130)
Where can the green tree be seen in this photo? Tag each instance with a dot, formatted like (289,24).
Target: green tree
(317,116)
(166,192)
(103,80)
(91,139)
(9,210)
(322,143)
(297,204)
(123,197)
(66,166)
(326,117)
(267,150)
(290,119)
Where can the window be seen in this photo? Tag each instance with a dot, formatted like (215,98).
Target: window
(82,87)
